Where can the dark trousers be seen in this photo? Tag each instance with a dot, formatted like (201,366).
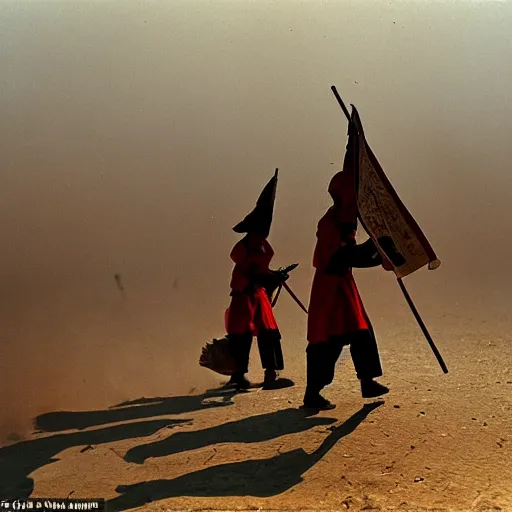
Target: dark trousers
(322,358)
(269,345)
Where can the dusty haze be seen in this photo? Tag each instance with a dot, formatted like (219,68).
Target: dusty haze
(134,135)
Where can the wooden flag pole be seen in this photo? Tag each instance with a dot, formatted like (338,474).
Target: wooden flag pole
(408,299)
(340,101)
(422,326)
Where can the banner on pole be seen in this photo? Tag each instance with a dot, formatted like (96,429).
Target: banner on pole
(382,213)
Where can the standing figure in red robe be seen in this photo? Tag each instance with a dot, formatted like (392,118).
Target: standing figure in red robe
(337,317)
(252,284)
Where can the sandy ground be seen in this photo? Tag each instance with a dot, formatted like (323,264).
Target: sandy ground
(436,442)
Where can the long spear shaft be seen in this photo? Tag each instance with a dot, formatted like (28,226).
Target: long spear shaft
(295,298)
(408,299)
(422,326)
(274,301)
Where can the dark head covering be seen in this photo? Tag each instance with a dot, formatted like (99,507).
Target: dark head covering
(260,219)
(343,192)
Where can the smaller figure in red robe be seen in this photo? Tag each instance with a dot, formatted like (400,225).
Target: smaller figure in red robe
(252,284)
(337,317)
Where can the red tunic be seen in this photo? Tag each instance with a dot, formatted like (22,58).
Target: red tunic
(250,310)
(335,306)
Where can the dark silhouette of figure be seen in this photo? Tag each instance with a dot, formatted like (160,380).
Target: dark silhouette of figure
(337,317)
(252,284)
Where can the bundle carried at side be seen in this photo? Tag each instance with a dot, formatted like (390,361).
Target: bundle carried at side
(216,356)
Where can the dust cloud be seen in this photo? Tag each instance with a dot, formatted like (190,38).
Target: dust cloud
(136,134)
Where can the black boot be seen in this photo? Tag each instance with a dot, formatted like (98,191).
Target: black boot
(372,389)
(314,400)
(239,381)
(320,372)
(269,382)
(273,381)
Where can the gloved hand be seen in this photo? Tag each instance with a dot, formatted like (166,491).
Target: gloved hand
(386,264)
(282,276)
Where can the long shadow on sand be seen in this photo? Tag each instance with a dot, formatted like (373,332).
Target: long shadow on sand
(254,429)
(128,411)
(261,478)
(18,461)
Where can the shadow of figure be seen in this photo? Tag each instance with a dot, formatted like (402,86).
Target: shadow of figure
(262,478)
(137,409)
(18,461)
(224,391)
(253,429)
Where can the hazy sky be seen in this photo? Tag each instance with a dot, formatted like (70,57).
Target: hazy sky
(135,134)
